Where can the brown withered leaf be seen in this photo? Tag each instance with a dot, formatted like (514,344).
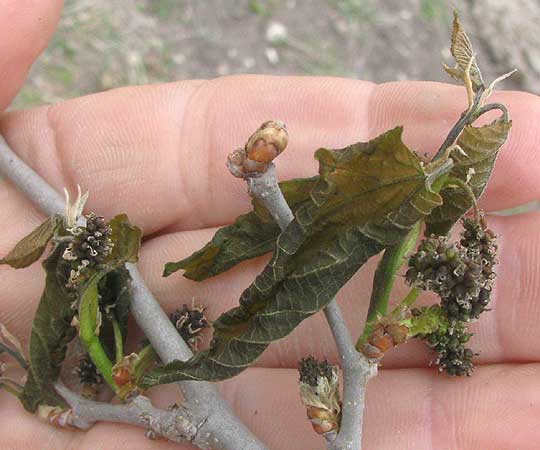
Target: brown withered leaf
(30,248)
(481,146)
(462,51)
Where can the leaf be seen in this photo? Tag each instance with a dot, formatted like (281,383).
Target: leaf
(127,241)
(368,197)
(481,145)
(110,282)
(51,332)
(251,235)
(462,51)
(31,247)
(51,328)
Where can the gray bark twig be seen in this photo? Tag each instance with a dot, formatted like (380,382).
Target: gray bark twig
(357,370)
(218,427)
(175,424)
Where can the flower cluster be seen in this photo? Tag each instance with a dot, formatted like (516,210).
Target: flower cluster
(189,323)
(89,248)
(448,341)
(87,372)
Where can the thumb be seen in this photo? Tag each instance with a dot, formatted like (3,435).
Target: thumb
(25,28)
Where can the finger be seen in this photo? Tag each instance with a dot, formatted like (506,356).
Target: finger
(25,28)
(505,334)
(410,409)
(158,152)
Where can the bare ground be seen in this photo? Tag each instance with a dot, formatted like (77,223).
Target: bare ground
(102,44)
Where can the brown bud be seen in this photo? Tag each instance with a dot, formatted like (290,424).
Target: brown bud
(122,376)
(371,351)
(399,333)
(267,142)
(380,339)
(123,373)
(322,420)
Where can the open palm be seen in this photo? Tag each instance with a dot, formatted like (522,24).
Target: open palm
(158,154)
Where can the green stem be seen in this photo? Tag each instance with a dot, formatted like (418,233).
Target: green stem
(89,318)
(407,302)
(385,276)
(468,118)
(146,357)
(118,341)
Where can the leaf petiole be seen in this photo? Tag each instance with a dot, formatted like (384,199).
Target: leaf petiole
(15,355)
(407,302)
(118,340)
(89,318)
(385,276)
(146,356)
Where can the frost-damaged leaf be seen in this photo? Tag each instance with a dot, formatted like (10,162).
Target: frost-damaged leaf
(110,283)
(51,328)
(51,332)
(369,196)
(31,247)
(481,145)
(251,235)
(462,51)
(127,241)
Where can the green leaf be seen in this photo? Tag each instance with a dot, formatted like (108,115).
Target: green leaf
(31,247)
(51,332)
(251,235)
(481,146)
(368,197)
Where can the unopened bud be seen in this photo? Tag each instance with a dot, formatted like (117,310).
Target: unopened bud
(267,142)
(262,147)
(123,374)
(385,335)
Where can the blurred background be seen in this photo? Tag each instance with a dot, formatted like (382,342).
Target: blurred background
(103,44)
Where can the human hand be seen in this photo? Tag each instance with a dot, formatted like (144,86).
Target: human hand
(158,154)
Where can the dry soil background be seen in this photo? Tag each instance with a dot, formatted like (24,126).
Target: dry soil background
(102,44)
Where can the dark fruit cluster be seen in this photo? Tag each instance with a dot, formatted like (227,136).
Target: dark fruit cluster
(87,372)
(452,355)
(93,243)
(460,273)
(189,323)
(481,245)
(312,370)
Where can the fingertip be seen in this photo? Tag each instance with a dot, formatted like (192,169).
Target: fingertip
(25,29)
